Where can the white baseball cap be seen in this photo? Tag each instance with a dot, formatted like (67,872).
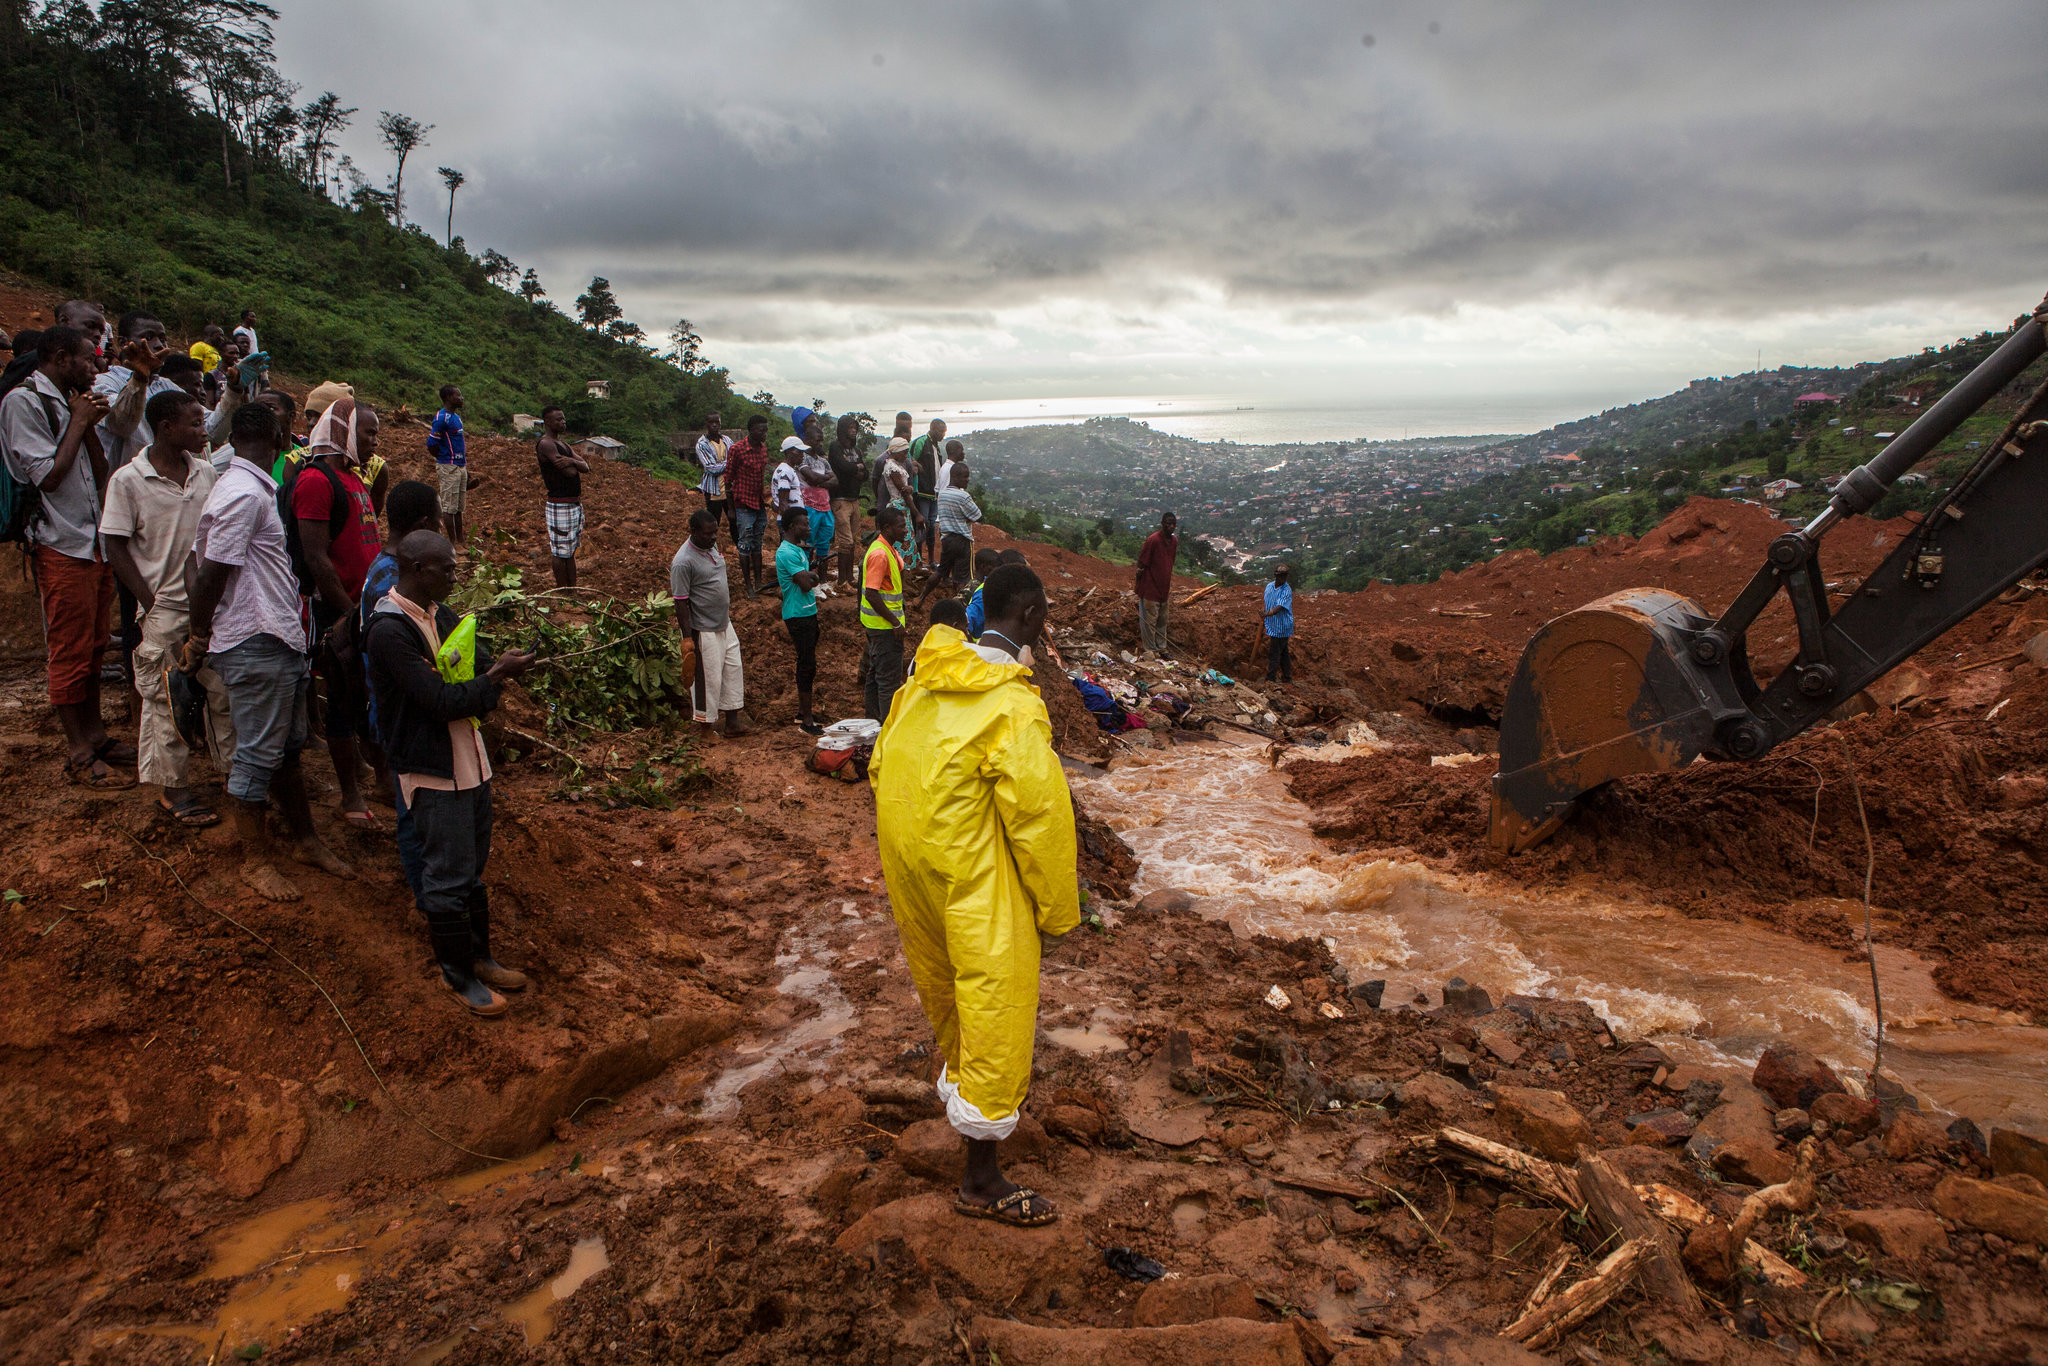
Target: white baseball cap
(794,443)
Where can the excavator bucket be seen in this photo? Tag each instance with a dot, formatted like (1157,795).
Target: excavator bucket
(1602,692)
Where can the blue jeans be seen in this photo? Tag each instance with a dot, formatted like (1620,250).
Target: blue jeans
(747,524)
(268,688)
(412,855)
(821,538)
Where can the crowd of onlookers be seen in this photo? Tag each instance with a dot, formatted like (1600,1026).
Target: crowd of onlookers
(246,565)
(204,539)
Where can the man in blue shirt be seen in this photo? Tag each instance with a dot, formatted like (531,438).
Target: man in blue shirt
(445,443)
(797,575)
(1279,627)
(985,564)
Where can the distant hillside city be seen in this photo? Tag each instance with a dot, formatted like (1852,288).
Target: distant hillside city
(1346,513)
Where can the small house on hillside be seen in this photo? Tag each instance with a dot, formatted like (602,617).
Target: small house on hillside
(599,448)
(524,422)
(1818,397)
(1778,488)
(598,388)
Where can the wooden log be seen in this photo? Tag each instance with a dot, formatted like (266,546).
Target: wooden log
(1618,1212)
(1557,1316)
(1680,1210)
(1547,1282)
(1199,594)
(1546,1181)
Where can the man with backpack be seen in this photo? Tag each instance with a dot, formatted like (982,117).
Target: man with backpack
(332,537)
(56,469)
(248,624)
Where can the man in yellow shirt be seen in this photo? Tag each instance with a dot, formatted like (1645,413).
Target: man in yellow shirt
(881,613)
(207,349)
(976,831)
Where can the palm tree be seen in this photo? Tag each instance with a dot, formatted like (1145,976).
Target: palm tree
(453,179)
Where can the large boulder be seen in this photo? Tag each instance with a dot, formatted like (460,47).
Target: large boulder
(1794,1078)
(997,1262)
(1993,1207)
(1218,1342)
(1436,1099)
(1844,1114)
(1749,1162)
(1905,1233)
(2013,1151)
(1462,998)
(1912,1135)
(1742,1113)
(1195,1300)
(1543,1120)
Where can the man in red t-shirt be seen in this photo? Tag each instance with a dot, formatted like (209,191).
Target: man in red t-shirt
(1155,584)
(744,465)
(339,547)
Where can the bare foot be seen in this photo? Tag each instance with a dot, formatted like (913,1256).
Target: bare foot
(314,853)
(268,883)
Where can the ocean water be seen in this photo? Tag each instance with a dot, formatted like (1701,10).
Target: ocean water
(1255,422)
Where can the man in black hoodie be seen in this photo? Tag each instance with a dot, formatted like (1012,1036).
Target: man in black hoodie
(437,754)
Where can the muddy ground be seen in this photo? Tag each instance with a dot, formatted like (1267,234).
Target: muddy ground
(719,1075)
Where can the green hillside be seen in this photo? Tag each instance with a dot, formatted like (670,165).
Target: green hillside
(120,182)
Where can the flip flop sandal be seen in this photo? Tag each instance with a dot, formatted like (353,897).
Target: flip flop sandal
(112,751)
(82,775)
(1013,1209)
(190,812)
(360,820)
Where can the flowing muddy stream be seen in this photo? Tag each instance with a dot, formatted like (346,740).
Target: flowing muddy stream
(1216,822)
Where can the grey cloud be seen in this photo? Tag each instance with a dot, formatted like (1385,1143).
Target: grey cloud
(1715,159)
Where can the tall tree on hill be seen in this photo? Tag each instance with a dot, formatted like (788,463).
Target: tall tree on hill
(498,268)
(320,121)
(454,180)
(685,347)
(402,134)
(597,307)
(530,288)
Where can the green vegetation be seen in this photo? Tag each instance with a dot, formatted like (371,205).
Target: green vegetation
(151,156)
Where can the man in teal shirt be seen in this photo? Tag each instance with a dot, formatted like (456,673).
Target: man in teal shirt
(799,583)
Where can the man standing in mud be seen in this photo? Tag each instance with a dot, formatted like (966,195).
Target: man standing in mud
(1155,585)
(976,831)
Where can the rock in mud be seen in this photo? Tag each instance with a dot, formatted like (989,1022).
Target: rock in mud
(1165,901)
(1749,1162)
(1993,1207)
(1219,1342)
(1368,994)
(1436,1099)
(995,1261)
(1743,1114)
(2012,1151)
(1844,1114)
(1195,1300)
(1792,1125)
(255,1132)
(1907,1233)
(1970,1134)
(909,1096)
(1462,998)
(932,1148)
(1659,1126)
(1794,1078)
(1544,1121)
(1912,1135)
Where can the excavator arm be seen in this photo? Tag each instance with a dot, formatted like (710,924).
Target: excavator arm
(1644,681)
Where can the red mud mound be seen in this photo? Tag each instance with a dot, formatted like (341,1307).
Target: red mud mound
(1954,780)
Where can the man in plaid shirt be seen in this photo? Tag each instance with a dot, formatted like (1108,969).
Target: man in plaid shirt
(745,466)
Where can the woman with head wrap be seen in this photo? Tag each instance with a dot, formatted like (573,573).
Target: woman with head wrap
(337,534)
(897,493)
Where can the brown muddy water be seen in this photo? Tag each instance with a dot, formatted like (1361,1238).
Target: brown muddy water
(1216,822)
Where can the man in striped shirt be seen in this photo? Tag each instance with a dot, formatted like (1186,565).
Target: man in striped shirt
(956,516)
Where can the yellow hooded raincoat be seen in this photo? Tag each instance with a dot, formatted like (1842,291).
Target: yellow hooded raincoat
(977,837)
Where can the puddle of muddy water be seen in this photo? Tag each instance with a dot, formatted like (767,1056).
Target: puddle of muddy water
(1216,822)
(806,975)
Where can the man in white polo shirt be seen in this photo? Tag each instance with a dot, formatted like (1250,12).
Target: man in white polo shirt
(248,623)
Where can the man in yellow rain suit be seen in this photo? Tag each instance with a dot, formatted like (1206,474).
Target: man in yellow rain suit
(977,838)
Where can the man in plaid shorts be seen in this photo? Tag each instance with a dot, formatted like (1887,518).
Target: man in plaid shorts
(561,471)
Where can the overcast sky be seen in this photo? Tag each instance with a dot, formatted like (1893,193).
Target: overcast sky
(1331,202)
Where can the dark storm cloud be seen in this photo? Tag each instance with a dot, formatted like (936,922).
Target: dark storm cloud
(1711,159)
